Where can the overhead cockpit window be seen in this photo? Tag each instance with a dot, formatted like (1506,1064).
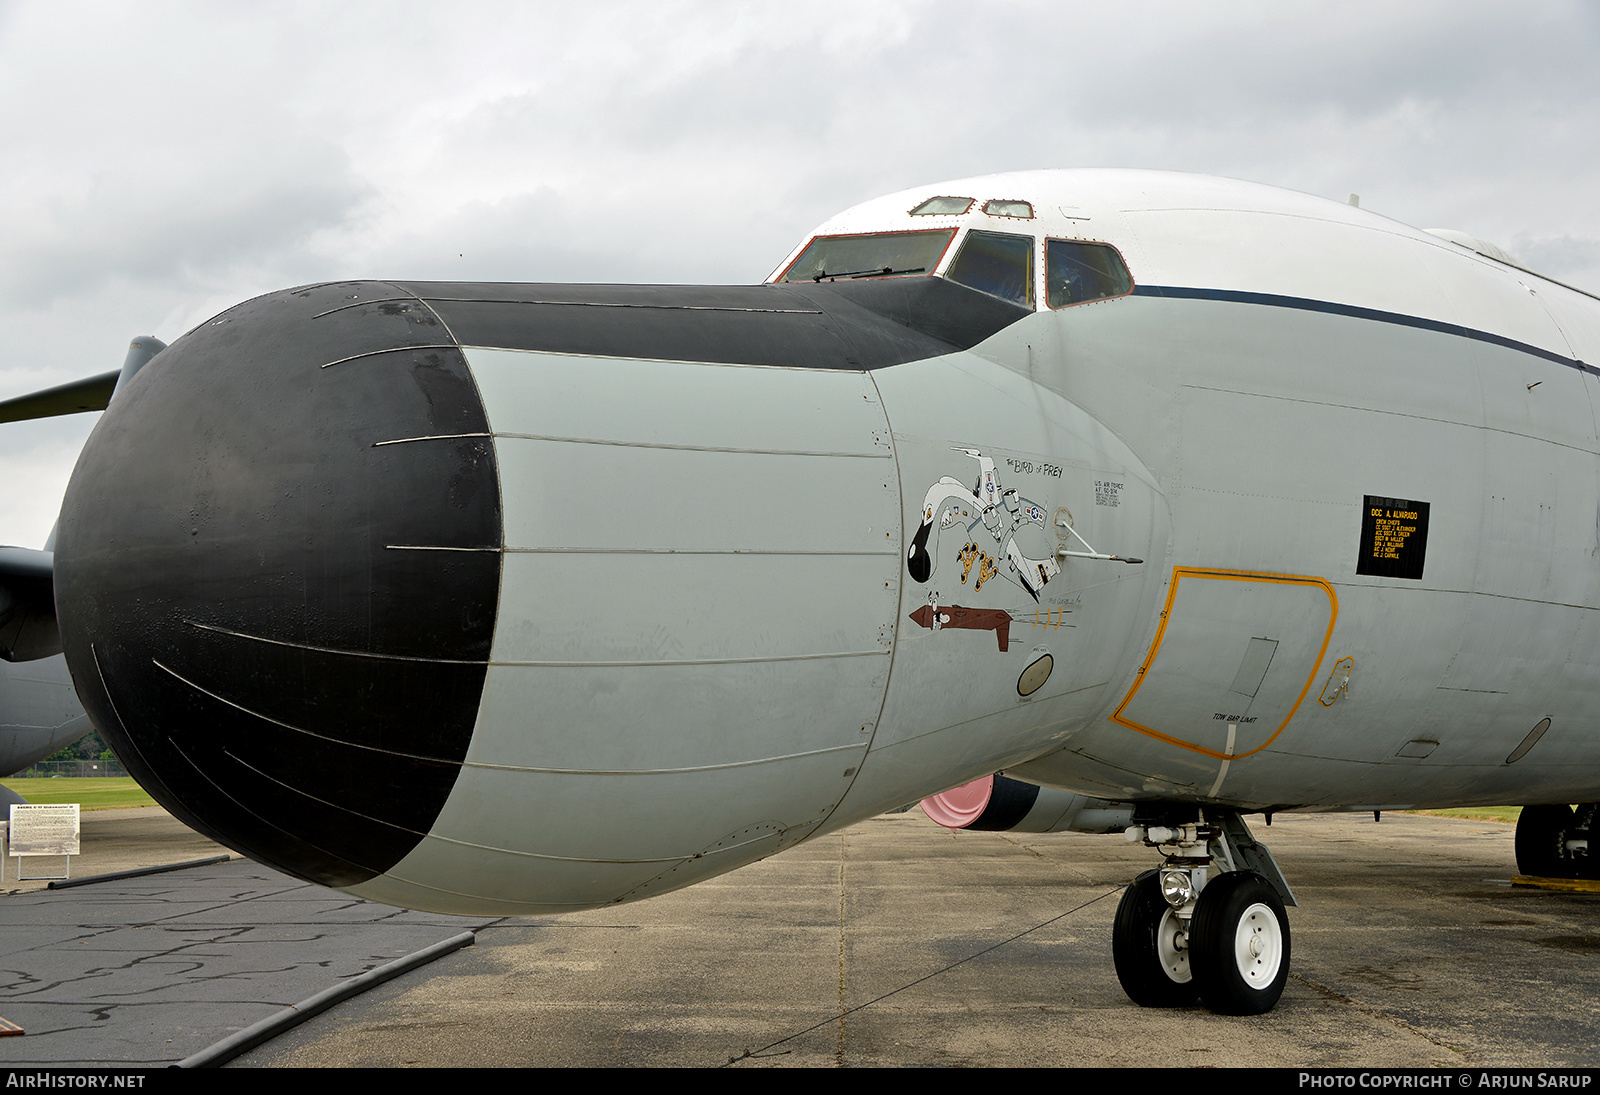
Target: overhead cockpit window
(997,264)
(935,207)
(1023,210)
(1078,272)
(880,255)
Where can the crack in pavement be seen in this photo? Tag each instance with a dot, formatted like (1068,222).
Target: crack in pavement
(148,971)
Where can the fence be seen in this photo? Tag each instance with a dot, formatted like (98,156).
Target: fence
(73,769)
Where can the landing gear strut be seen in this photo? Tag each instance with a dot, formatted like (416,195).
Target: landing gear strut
(1182,934)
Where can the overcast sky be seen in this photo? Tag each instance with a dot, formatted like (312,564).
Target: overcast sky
(163,161)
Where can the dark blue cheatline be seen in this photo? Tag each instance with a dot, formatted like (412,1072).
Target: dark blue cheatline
(1400,319)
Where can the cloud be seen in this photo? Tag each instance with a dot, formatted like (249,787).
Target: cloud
(166,160)
(36,459)
(1572,259)
(177,224)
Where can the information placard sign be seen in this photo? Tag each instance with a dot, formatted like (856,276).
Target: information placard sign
(44,830)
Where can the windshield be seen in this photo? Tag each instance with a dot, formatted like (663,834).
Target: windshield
(998,264)
(883,254)
(1078,272)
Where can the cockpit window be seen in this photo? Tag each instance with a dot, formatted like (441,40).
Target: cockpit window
(880,255)
(935,207)
(997,264)
(997,208)
(1077,272)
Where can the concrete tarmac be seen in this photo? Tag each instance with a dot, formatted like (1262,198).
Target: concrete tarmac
(893,942)
(145,971)
(896,942)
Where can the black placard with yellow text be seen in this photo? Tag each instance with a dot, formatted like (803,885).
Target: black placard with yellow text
(1394,537)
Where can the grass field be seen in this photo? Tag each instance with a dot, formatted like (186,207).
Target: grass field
(1507,814)
(92,793)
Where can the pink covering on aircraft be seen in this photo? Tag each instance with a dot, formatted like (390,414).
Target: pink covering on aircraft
(960,806)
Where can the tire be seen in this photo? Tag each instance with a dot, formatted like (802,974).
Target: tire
(1153,972)
(1239,944)
(1542,841)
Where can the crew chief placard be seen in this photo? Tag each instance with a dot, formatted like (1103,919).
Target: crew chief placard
(1394,537)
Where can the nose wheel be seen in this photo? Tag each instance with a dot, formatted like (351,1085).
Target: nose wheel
(1183,934)
(1149,945)
(1233,954)
(1240,944)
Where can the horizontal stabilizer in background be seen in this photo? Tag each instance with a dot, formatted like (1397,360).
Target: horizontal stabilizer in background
(91,394)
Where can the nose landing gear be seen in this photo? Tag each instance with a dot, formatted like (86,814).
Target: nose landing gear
(1181,935)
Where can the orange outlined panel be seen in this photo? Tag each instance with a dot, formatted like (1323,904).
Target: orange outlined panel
(1282,605)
